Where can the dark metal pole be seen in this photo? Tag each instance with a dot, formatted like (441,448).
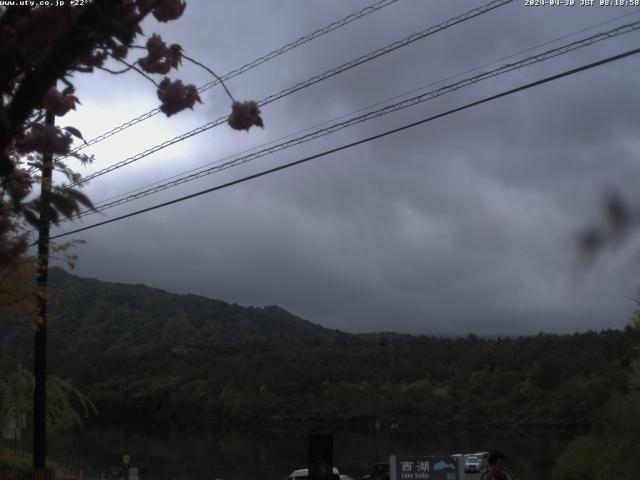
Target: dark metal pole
(40,347)
(320,456)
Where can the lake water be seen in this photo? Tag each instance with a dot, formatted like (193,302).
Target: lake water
(234,455)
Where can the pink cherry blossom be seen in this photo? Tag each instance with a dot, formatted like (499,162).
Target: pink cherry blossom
(176,97)
(174,55)
(150,66)
(22,176)
(59,103)
(40,27)
(94,59)
(169,10)
(144,4)
(160,58)
(244,115)
(156,47)
(45,139)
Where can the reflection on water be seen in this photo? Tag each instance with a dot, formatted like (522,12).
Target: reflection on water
(172,455)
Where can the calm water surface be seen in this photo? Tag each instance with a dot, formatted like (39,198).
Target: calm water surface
(175,455)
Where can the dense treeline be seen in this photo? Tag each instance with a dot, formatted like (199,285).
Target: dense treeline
(611,447)
(545,381)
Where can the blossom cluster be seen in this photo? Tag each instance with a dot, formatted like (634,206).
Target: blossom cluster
(30,38)
(45,139)
(10,247)
(244,115)
(160,58)
(59,103)
(175,96)
(165,10)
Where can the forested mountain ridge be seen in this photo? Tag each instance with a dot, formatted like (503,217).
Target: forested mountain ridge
(92,315)
(143,354)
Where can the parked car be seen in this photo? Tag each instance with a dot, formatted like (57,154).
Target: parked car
(472,463)
(380,471)
(484,459)
(303,474)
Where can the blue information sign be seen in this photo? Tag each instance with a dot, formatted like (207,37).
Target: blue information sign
(425,467)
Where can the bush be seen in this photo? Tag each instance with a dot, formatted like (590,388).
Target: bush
(15,467)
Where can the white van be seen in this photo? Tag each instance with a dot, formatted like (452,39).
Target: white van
(303,474)
(484,460)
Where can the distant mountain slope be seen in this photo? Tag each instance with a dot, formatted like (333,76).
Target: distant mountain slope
(92,315)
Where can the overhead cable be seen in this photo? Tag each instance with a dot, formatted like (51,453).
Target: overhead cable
(358,142)
(311,81)
(258,61)
(362,109)
(368,116)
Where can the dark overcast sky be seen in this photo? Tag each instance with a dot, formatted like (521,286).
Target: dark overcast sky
(461,225)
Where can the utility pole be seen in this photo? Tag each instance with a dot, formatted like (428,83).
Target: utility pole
(40,346)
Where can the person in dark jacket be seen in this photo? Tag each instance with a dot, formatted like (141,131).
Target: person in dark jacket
(496,468)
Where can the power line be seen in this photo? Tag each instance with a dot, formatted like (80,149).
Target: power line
(311,81)
(358,142)
(368,116)
(395,97)
(258,61)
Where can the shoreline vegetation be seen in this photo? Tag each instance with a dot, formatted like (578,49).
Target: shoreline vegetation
(360,425)
(20,467)
(545,383)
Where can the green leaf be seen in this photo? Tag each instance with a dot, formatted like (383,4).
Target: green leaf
(64,204)
(17,191)
(80,197)
(76,133)
(30,217)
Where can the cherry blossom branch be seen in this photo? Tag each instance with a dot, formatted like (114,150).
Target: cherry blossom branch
(133,67)
(212,73)
(115,72)
(147,10)
(201,65)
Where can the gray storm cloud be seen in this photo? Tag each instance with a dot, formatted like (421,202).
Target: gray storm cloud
(461,225)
